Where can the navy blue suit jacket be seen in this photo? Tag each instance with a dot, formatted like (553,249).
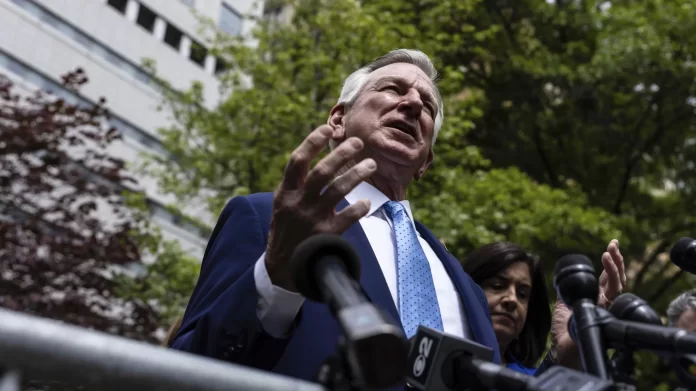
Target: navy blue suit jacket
(221,321)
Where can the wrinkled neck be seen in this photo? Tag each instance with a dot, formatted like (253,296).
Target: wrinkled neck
(393,189)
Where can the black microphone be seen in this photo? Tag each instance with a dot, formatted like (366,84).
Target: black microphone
(327,269)
(624,334)
(577,285)
(431,362)
(683,254)
(440,362)
(631,307)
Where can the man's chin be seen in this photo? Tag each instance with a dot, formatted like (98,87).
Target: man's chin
(399,155)
(395,166)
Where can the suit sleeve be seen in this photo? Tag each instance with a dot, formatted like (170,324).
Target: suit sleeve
(221,317)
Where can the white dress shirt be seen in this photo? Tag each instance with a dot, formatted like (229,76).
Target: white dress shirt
(277,307)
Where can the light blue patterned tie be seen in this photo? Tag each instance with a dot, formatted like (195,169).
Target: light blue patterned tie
(416,291)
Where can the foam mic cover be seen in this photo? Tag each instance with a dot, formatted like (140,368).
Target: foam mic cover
(312,251)
(571,260)
(631,307)
(683,255)
(575,279)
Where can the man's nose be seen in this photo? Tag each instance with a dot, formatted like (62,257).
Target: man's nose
(412,103)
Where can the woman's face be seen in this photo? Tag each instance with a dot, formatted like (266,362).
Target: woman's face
(508,300)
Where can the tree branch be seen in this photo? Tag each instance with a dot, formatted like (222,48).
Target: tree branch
(635,158)
(647,264)
(665,285)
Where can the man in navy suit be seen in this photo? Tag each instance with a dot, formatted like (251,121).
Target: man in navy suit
(245,308)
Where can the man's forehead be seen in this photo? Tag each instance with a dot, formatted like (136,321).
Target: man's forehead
(401,70)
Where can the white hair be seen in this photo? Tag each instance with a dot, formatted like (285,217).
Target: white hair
(354,84)
(685,302)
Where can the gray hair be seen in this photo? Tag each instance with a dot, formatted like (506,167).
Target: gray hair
(354,84)
(685,302)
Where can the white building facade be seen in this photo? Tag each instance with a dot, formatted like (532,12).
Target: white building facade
(40,40)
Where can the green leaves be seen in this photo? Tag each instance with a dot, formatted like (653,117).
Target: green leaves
(470,209)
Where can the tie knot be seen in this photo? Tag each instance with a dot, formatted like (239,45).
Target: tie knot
(392,208)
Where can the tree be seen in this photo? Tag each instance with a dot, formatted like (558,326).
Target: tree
(296,70)
(65,226)
(596,96)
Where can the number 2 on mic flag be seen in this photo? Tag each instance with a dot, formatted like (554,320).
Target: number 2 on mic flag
(422,356)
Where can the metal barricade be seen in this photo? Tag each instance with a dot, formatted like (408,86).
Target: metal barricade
(46,349)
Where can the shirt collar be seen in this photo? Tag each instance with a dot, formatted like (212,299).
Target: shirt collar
(365,191)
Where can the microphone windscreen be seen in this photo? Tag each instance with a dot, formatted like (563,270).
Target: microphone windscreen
(631,307)
(570,260)
(622,303)
(312,250)
(679,255)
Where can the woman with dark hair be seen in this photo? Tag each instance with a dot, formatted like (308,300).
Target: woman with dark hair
(513,282)
(515,287)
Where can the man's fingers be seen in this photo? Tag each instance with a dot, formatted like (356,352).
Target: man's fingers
(327,168)
(613,286)
(298,165)
(343,184)
(618,259)
(349,216)
(603,278)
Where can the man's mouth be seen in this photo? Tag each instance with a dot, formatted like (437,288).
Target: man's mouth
(404,127)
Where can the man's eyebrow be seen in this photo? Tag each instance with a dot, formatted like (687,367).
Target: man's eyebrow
(395,79)
(389,79)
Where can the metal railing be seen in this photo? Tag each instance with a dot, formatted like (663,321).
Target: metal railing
(49,350)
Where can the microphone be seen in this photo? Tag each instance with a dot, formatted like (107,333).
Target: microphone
(577,285)
(629,334)
(327,269)
(631,307)
(440,361)
(683,255)
(431,359)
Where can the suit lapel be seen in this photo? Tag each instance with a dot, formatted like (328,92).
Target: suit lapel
(457,275)
(371,276)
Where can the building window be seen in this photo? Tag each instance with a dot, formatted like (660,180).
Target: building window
(230,20)
(86,41)
(190,3)
(146,18)
(119,5)
(220,66)
(127,130)
(172,36)
(198,53)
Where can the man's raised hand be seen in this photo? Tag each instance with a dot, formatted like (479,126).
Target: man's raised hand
(305,202)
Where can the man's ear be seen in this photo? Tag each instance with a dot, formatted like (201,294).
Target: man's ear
(418,175)
(336,119)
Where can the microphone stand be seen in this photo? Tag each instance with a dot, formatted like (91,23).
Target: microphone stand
(335,373)
(623,366)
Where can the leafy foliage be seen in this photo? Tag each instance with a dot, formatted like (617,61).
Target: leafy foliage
(58,184)
(73,223)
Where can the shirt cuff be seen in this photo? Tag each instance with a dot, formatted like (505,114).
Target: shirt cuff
(277,308)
